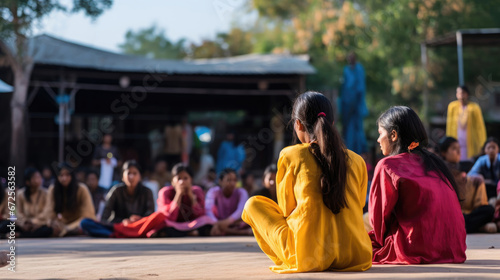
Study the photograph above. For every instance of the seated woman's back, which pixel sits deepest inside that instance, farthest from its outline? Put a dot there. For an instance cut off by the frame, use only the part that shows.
(418, 212)
(336, 241)
(321, 186)
(414, 207)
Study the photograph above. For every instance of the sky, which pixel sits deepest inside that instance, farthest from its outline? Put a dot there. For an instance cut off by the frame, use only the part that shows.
(190, 19)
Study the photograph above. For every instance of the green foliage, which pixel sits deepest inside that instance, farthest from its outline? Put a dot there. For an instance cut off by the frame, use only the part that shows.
(236, 42)
(207, 49)
(91, 8)
(153, 43)
(17, 17)
(386, 36)
(280, 8)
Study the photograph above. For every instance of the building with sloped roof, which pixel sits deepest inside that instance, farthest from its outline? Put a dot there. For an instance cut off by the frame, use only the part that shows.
(79, 87)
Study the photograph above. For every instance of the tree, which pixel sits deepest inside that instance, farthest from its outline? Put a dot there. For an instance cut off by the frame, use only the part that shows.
(386, 36)
(16, 22)
(235, 42)
(153, 43)
(207, 49)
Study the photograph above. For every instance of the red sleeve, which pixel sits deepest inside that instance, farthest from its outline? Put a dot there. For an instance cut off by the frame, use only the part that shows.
(199, 209)
(165, 204)
(383, 198)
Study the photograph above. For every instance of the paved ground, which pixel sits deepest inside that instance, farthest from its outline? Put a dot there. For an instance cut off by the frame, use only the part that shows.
(211, 258)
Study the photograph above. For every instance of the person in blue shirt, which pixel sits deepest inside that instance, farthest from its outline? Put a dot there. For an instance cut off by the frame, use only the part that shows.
(353, 107)
(230, 155)
(488, 166)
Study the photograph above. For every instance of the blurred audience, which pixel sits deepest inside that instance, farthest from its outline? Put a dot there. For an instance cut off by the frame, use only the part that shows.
(31, 202)
(477, 213)
(224, 205)
(106, 157)
(68, 203)
(269, 182)
(98, 193)
(127, 202)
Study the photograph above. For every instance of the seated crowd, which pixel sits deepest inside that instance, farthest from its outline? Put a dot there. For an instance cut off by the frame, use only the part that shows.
(129, 209)
(309, 214)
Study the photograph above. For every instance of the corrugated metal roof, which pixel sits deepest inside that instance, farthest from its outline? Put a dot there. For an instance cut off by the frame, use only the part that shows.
(52, 51)
(484, 37)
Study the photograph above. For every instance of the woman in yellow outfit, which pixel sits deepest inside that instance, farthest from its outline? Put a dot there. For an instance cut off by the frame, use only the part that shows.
(317, 224)
(465, 123)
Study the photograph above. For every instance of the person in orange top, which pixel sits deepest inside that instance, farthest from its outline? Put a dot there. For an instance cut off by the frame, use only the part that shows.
(317, 224)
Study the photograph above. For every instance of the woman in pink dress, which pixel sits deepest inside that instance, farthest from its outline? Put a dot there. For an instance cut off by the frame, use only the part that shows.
(414, 205)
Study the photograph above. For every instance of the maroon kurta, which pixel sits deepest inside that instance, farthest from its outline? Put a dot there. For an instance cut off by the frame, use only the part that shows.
(416, 218)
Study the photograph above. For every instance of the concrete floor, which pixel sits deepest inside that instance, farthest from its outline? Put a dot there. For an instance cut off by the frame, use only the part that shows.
(211, 258)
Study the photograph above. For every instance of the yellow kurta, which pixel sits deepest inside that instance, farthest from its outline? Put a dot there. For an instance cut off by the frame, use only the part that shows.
(476, 131)
(300, 233)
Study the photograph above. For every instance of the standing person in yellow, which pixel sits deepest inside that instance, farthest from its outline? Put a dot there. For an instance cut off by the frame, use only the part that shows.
(317, 224)
(465, 123)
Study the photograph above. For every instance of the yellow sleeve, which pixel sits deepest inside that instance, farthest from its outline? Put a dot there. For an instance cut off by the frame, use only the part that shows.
(480, 127)
(451, 125)
(86, 208)
(363, 173)
(285, 181)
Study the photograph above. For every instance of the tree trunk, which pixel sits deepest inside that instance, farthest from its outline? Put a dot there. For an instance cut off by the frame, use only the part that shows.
(19, 121)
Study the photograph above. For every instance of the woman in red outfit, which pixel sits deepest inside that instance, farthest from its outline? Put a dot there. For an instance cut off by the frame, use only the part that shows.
(414, 205)
(181, 211)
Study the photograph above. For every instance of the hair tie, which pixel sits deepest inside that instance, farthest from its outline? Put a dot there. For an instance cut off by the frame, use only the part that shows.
(321, 114)
(413, 145)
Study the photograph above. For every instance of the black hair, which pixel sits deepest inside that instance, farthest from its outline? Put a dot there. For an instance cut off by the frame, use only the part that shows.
(245, 175)
(3, 186)
(47, 167)
(315, 112)
(409, 128)
(92, 171)
(271, 168)
(225, 172)
(465, 89)
(181, 167)
(81, 169)
(490, 139)
(445, 144)
(28, 174)
(65, 198)
(160, 159)
(131, 163)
